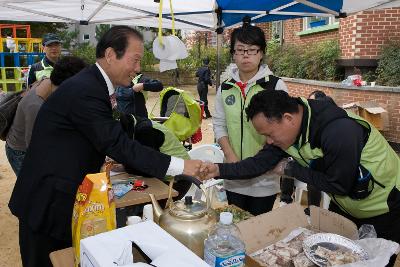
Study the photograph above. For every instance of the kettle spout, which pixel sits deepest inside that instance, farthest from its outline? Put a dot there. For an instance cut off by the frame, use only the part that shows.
(157, 210)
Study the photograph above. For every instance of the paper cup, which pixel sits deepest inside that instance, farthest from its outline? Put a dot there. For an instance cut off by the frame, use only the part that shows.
(133, 220)
(372, 84)
(148, 212)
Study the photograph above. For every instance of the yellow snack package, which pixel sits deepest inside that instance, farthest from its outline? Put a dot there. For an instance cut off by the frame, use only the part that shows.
(94, 210)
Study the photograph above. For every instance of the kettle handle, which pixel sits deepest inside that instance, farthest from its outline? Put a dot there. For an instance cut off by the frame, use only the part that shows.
(188, 178)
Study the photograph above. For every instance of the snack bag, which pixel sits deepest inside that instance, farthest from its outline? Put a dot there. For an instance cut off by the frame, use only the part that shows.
(94, 209)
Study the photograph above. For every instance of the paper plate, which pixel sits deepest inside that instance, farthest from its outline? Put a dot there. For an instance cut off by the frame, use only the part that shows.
(332, 242)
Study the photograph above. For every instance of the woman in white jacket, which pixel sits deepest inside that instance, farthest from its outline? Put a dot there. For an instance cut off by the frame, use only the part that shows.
(235, 134)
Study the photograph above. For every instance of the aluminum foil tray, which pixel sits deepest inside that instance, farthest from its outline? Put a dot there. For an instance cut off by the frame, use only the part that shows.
(331, 242)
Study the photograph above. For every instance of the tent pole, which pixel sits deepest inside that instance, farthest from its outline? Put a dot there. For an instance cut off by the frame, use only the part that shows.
(219, 32)
(219, 46)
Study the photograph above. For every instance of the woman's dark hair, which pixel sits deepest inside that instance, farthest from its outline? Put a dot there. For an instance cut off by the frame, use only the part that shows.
(273, 104)
(317, 94)
(248, 34)
(321, 96)
(116, 38)
(65, 68)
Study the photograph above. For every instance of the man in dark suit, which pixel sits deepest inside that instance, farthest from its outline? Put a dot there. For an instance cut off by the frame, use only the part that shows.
(73, 133)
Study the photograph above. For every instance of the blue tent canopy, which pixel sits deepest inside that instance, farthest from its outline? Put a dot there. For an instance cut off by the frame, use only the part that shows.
(188, 14)
(233, 11)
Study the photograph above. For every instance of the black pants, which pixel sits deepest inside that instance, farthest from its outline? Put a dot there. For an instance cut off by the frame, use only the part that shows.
(36, 247)
(202, 89)
(254, 205)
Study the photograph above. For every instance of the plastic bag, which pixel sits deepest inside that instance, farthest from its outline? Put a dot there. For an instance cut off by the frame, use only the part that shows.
(94, 210)
(367, 231)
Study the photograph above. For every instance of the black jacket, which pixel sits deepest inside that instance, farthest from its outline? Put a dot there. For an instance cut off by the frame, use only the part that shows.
(150, 85)
(73, 133)
(340, 138)
(204, 75)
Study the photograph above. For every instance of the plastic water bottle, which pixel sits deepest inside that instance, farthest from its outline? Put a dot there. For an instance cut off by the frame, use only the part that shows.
(224, 247)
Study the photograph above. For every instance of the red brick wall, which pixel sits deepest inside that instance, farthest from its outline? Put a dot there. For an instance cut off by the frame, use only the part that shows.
(389, 100)
(362, 35)
(293, 26)
(267, 28)
(290, 28)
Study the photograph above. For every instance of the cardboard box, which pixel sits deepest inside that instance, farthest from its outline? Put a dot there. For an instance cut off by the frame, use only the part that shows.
(268, 228)
(372, 112)
(106, 249)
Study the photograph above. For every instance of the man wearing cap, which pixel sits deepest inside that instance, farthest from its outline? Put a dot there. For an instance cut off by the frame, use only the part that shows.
(52, 47)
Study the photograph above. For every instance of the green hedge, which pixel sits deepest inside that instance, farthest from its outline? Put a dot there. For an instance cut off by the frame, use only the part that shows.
(86, 52)
(388, 71)
(316, 61)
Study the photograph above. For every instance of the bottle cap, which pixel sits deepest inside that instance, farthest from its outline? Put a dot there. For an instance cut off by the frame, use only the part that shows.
(225, 217)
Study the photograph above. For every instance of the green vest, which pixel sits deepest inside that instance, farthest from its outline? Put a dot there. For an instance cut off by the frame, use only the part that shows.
(377, 157)
(244, 139)
(171, 145)
(45, 72)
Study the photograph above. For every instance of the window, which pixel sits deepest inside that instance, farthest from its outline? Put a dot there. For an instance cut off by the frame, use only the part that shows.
(86, 37)
(276, 29)
(312, 22)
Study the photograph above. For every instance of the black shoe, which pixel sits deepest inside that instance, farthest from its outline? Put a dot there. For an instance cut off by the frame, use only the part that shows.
(208, 116)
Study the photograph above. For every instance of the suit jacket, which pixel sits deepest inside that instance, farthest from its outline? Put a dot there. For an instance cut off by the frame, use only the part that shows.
(73, 132)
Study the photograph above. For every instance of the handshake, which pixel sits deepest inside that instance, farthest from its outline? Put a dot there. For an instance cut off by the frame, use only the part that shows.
(200, 169)
(207, 170)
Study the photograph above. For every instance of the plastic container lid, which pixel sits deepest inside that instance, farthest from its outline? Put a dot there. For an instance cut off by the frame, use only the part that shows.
(225, 217)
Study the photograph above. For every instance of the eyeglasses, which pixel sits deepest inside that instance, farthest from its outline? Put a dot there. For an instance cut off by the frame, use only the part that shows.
(250, 52)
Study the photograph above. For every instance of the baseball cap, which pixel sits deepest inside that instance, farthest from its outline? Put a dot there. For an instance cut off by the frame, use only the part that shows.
(50, 38)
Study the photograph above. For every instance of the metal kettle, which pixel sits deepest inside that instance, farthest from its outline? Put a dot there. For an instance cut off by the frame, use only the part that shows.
(188, 220)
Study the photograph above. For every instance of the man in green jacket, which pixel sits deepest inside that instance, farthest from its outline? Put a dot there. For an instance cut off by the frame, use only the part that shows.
(335, 151)
(52, 47)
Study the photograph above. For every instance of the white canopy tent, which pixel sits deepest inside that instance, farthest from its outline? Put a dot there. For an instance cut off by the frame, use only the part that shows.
(189, 14)
(211, 15)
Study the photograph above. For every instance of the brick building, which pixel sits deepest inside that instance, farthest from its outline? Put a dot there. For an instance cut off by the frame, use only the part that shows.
(360, 36)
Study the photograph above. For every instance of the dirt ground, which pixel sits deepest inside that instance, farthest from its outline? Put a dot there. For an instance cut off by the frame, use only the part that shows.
(9, 249)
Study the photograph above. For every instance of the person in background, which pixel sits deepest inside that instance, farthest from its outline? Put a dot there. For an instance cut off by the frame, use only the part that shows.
(235, 134)
(19, 135)
(132, 99)
(336, 151)
(10, 44)
(73, 133)
(319, 95)
(52, 47)
(204, 75)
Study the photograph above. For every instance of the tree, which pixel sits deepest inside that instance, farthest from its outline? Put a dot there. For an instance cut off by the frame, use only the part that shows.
(101, 30)
(69, 39)
(38, 28)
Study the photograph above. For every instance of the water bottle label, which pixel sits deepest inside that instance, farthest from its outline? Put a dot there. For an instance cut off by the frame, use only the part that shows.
(230, 261)
(236, 260)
